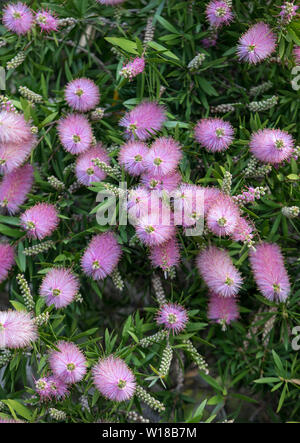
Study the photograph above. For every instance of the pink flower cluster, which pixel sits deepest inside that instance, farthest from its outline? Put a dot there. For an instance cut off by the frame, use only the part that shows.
(18, 18)
(134, 68)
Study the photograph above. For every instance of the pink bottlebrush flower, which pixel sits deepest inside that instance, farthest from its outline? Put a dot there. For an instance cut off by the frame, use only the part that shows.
(134, 68)
(143, 121)
(138, 202)
(165, 255)
(157, 227)
(267, 264)
(46, 20)
(13, 128)
(101, 256)
(163, 156)
(272, 145)
(222, 310)
(17, 18)
(58, 388)
(113, 378)
(243, 230)
(211, 195)
(14, 188)
(218, 13)
(218, 272)
(257, 43)
(40, 220)
(188, 204)
(132, 157)
(82, 94)
(59, 287)
(13, 155)
(214, 134)
(17, 329)
(173, 316)
(166, 183)
(222, 216)
(68, 363)
(86, 171)
(75, 133)
(297, 55)
(42, 388)
(7, 260)
(110, 2)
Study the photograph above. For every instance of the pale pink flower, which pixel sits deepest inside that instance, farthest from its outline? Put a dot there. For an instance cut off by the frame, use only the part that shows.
(18, 18)
(68, 363)
(173, 316)
(166, 183)
(7, 260)
(214, 134)
(13, 128)
(138, 202)
(218, 272)
(13, 155)
(222, 216)
(272, 145)
(188, 204)
(14, 188)
(17, 329)
(46, 20)
(156, 228)
(113, 379)
(133, 68)
(271, 277)
(297, 55)
(75, 133)
(166, 255)
(101, 256)
(223, 310)
(59, 287)
(86, 171)
(40, 220)
(82, 94)
(143, 121)
(132, 156)
(243, 230)
(257, 43)
(218, 13)
(163, 156)
(211, 195)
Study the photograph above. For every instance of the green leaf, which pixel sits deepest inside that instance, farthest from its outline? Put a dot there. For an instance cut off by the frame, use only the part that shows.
(123, 43)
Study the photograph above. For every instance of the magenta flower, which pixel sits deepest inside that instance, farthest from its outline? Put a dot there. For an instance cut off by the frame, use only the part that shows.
(101, 256)
(256, 44)
(46, 20)
(132, 156)
(297, 55)
(17, 18)
(173, 316)
(218, 13)
(13, 155)
(163, 156)
(58, 388)
(271, 145)
(113, 378)
(68, 363)
(17, 329)
(222, 216)
(143, 121)
(86, 171)
(134, 68)
(214, 134)
(156, 228)
(267, 264)
(243, 230)
(40, 220)
(42, 388)
(223, 310)
(165, 255)
(218, 272)
(59, 287)
(166, 183)
(110, 2)
(13, 128)
(82, 94)
(75, 133)
(7, 260)
(14, 188)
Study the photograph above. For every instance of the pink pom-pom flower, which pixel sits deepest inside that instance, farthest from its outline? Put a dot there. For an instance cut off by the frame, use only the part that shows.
(101, 256)
(214, 134)
(218, 13)
(143, 121)
(46, 20)
(14, 188)
(86, 171)
(132, 156)
(75, 133)
(157, 227)
(222, 217)
(51, 387)
(166, 255)
(13, 128)
(223, 310)
(82, 94)
(13, 155)
(256, 44)
(113, 379)
(188, 204)
(243, 230)
(166, 183)
(17, 329)
(271, 277)
(218, 272)
(134, 68)
(163, 156)
(7, 260)
(18, 18)
(271, 145)
(68, 363)
(40, 220)
(297, 55)
(138, 203)
(59, 287)
(173, 317)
